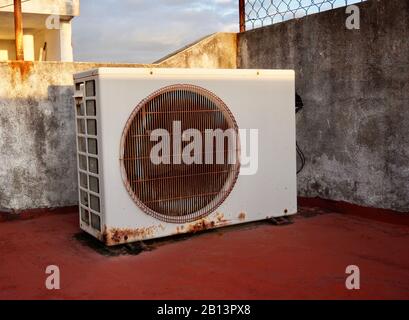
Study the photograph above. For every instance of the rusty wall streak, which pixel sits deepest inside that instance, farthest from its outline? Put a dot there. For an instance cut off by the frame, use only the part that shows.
(23, 68)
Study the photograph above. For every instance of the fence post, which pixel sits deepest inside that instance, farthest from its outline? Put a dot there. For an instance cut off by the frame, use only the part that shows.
(18, 30)
(242, 14)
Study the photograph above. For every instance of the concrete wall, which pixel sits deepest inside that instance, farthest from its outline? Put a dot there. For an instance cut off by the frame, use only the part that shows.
(37, 129)
(354, 129)
(7, 50)
(59, 43)
(218, 50)
(355, 85)
(48, 21)
(37, 134)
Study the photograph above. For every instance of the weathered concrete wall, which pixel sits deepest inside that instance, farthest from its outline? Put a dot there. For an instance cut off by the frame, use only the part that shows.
(37, 129)
(355, 85)
(218, 51)
(37, 134)
(354, 129)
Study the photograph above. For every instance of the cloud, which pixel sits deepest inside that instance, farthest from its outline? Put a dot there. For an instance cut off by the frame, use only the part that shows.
(143, 31)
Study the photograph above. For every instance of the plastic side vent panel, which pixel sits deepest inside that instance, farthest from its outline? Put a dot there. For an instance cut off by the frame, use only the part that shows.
(88, 156)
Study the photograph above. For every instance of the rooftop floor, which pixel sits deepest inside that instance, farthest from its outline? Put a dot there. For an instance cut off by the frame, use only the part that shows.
(304, 260)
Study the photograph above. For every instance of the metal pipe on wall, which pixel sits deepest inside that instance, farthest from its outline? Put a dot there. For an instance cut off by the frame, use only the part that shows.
(242, 15)
(18, 29)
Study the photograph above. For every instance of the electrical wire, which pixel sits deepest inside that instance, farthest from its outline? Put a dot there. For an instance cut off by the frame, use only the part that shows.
(299, 105)
(302, 157)
(12, 4)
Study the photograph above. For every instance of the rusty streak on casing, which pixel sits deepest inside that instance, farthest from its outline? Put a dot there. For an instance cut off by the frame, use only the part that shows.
(115, 236)
(204, 224)
(242, 216)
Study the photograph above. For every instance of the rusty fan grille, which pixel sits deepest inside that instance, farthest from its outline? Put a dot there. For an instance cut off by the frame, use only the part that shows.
(178, 192)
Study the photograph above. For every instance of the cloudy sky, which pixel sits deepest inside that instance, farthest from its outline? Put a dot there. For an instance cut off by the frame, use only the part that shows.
(145, 30)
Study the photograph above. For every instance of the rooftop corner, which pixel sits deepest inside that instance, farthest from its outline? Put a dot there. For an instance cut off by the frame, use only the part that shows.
(64, 8)
(45, 27)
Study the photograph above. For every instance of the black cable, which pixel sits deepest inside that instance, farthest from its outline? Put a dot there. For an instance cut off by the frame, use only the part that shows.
(12, 4)
(299, 105)
(302, 157)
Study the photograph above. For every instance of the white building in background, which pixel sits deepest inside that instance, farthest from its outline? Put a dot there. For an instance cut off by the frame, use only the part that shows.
(47, 29)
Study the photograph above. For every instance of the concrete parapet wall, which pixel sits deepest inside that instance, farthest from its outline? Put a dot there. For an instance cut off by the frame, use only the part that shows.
(354, 129)
(37, 134)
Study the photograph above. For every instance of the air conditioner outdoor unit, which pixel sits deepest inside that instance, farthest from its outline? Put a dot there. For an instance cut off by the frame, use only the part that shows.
(171, 151)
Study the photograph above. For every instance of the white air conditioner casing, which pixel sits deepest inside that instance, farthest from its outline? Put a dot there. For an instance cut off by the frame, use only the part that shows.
(105, 99)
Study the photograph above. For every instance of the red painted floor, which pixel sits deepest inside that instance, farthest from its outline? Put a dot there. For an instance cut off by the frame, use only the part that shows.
(305, 260)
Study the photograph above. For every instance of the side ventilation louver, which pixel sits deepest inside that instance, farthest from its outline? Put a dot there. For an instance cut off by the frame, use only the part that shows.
(88, 155)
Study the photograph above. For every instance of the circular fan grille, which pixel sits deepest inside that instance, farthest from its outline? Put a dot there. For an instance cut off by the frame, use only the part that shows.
(173, 190)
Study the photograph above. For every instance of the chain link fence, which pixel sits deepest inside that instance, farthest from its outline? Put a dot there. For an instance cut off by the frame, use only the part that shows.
(259, 13)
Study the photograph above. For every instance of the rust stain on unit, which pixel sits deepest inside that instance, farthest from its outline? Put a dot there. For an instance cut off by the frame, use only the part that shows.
(204, 224)
(117, 236)
(242, 216)
(22, 67)
(201, 225)
(220, 218)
